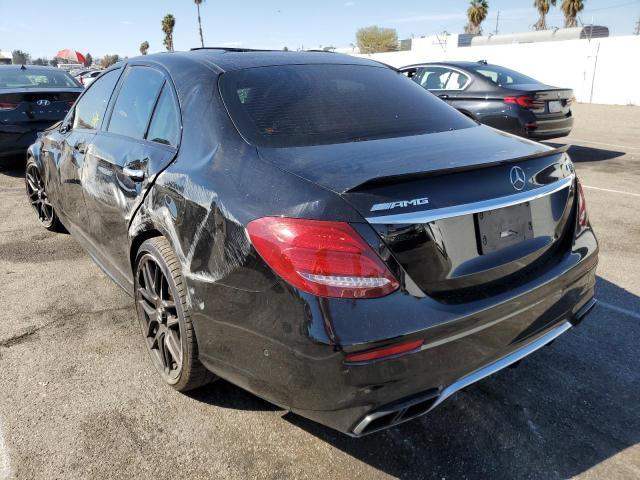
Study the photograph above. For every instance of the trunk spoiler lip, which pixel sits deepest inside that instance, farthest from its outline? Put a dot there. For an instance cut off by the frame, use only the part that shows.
(380, 181)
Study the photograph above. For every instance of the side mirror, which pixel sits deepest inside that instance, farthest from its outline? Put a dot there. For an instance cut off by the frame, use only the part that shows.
(64, 127)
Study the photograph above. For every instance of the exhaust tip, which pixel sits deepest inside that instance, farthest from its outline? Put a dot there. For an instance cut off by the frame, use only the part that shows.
(396, 413)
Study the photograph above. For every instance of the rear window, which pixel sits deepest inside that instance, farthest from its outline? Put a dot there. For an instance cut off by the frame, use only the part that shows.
(301, 105)
(503, 76)
(17, 78)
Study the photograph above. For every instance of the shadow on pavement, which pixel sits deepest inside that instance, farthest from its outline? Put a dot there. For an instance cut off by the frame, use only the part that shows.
(567, 408)
(12, 166)
(579, 153)
(226, 395)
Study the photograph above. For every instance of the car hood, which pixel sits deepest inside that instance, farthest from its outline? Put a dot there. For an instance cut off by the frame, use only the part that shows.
(343, 167)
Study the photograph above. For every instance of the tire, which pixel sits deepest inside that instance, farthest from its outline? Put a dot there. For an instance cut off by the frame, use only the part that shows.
(38, 198)
(165, 319)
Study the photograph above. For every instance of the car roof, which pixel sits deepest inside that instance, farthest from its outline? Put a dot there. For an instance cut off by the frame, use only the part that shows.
(225, 60)
(30, 67)
(454, 63)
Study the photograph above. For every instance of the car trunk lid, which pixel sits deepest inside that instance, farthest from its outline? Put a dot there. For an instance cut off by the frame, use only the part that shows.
(27, 106)
(459, 211)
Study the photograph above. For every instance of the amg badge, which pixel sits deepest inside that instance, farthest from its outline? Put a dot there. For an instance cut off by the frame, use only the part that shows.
(401, 204)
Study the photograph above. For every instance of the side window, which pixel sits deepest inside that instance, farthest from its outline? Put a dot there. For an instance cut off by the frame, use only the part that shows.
(165, 124)
(90, 109)
(434, 78)
(456, 81)
(137, 97)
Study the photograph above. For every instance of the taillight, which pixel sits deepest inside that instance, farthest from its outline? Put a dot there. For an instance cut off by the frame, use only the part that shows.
(7, 106)
(583, 216)
(328, 259)
(525, 102)
(385, 352)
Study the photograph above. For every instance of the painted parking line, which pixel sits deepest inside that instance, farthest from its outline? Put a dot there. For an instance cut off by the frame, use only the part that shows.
(5, 465)
(611, 191)
(625, 147)
(615, 308)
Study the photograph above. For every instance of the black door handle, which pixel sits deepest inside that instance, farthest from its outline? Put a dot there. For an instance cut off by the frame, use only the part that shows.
(444, 96)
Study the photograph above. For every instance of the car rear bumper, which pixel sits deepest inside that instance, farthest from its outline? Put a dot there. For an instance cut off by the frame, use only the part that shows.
(551, 128)
(290, 348)
(15, 139)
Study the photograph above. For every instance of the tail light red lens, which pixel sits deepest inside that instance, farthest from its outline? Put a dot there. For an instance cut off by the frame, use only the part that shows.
(380, 353)
(583, 216)
(328, 259)
(525, 102)
(7, 106)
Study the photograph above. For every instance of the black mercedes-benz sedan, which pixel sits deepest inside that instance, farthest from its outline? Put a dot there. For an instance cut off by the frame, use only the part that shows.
(317, 229)
(499, 97)
(32, 98)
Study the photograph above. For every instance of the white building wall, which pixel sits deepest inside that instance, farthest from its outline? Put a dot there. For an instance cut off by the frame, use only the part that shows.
(603, 70)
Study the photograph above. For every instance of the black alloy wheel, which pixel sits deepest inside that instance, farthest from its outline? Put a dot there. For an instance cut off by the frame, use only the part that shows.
(39, 198)
(165, 317)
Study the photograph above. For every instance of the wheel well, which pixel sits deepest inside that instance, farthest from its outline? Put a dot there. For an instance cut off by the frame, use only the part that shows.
(139, 240)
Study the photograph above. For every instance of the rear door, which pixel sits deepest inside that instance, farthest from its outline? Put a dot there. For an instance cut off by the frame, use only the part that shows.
(139, 140)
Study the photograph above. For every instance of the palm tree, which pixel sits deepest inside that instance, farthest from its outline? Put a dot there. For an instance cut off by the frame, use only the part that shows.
(476, 13)
(543, 7)
(144, 47)
(198, 2)
(168, 23)
(571, 9)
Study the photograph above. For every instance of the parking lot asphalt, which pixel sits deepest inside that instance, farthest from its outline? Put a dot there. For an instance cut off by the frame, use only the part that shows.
(80, 399)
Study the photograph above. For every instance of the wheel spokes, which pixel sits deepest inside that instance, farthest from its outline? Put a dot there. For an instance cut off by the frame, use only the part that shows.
(159, 317)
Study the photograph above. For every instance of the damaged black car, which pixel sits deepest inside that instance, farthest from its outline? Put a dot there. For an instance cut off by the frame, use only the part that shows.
(317, 229)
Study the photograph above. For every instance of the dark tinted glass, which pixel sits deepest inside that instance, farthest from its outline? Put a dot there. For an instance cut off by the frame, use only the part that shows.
(135, 102)
(89, 110)
(36, 78)
(165, 125)
(503, 76)
(298, 105)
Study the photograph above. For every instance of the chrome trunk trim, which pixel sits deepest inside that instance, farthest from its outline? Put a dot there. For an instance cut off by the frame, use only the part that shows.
(471, 208)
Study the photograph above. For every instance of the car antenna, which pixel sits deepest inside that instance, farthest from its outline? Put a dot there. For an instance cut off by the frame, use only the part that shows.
(23, 67)
(483, 62)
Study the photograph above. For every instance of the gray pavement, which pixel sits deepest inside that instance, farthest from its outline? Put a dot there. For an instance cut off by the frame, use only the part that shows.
(79, 397)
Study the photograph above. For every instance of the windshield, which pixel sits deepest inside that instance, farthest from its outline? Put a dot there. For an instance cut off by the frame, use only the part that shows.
(301, 105)
(17, 78)
(503, 76)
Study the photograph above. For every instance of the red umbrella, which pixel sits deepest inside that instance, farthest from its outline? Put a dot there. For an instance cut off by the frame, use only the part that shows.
(71, 55)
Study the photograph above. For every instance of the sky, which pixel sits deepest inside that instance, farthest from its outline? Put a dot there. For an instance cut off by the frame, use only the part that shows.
(42, 27)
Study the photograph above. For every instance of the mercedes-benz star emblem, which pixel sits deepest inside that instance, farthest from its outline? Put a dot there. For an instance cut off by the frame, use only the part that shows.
(43, 103)
(518, 178)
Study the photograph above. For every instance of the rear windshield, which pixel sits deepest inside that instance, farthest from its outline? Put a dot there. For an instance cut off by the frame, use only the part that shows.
(17, 78)
(503, 76)
(301, 105)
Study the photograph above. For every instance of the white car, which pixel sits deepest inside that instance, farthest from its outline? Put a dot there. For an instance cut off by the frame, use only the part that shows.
(88, 78)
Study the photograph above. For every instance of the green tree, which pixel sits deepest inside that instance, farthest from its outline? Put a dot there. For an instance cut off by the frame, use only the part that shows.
(109, 60)
(476, 13)
(41, 61)
(144, 47)
(285, 49)
(543, 7)
(88, 60)
(168, 24)
(20, 57)
(571, 9)
(198, 3)
(376, 39)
